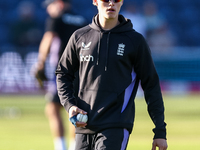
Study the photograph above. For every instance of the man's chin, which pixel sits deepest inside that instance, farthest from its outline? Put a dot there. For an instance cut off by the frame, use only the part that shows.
(110, 17)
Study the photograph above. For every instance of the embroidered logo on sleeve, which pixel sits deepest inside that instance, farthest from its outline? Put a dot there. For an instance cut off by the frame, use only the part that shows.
(85, 46)
(120, 50)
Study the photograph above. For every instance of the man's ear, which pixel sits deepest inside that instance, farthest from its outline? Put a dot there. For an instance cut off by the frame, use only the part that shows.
(95, 3)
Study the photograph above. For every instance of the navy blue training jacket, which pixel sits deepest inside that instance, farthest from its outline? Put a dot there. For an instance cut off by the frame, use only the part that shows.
(110, 64)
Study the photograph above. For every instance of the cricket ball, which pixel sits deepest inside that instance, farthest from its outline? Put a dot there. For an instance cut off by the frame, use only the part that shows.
(82, 118)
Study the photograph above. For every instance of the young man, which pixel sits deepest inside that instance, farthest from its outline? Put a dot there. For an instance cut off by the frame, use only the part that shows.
(111, 59)
(59, 27)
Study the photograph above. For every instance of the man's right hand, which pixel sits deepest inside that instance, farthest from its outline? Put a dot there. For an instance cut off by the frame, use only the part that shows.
(73, 111)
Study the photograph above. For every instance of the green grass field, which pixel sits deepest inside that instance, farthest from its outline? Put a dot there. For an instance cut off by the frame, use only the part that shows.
(23, 125)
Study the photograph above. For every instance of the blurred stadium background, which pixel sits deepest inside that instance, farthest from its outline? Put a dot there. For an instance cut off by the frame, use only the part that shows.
(176, 48)
(174, 38)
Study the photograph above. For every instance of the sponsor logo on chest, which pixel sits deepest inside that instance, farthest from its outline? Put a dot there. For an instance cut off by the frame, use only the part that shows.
(86, 58)
(85, 47)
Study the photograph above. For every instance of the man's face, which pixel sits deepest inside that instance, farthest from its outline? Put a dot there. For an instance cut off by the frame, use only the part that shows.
(108, 10)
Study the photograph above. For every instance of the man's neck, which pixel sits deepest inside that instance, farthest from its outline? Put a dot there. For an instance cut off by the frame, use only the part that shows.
(108, 24)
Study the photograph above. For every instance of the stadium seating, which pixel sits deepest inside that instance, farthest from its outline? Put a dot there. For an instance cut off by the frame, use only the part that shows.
(182, 16)
(181, 63)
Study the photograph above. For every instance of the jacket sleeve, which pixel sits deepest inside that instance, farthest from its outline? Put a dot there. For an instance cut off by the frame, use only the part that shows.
(145, 70)
(65, 74)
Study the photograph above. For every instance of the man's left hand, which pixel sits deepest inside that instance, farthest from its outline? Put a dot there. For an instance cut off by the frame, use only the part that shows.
(160, 143)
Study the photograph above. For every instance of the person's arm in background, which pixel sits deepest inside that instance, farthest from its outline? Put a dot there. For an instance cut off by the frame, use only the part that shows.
(44, 49)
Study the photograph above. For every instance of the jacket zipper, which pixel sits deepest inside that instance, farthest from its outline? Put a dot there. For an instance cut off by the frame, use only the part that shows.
(106, 64)
(98, 48)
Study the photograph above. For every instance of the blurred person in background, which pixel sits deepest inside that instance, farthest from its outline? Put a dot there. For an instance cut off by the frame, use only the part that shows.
(132, 12)
(153, 18)
(59, 27)
(162, 38)
(158, 32)
(25, 30)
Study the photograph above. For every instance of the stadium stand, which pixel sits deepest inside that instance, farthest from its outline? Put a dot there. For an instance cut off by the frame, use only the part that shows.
(181, 16)
(180, 63)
